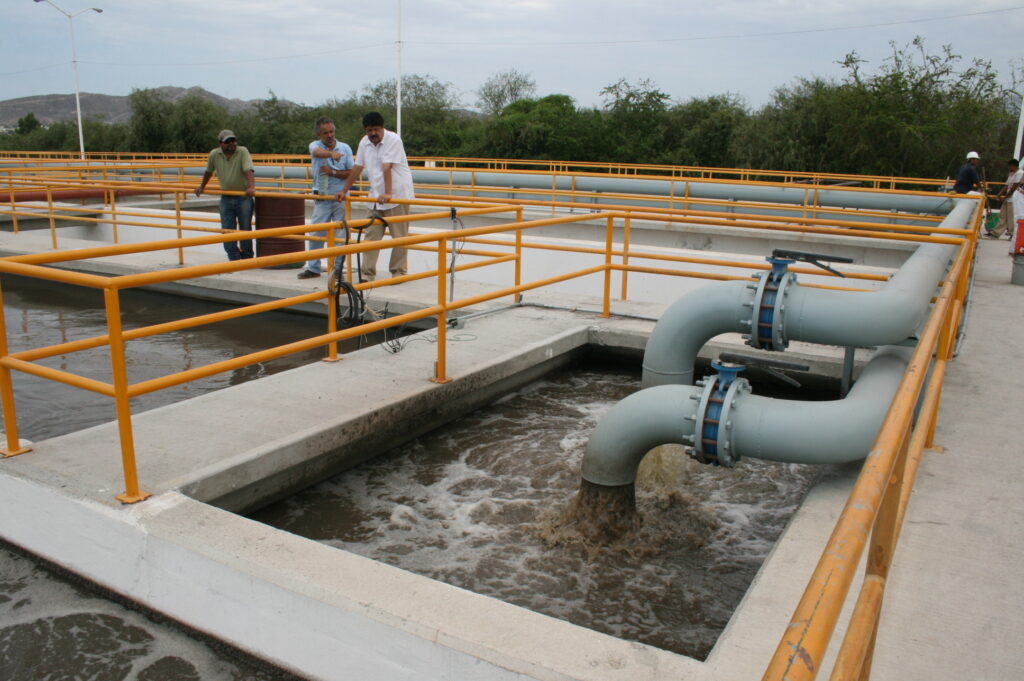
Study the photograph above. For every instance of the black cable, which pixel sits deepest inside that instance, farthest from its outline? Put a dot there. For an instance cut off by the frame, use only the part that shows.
(456, 250)
(336, 283)
(356, 308)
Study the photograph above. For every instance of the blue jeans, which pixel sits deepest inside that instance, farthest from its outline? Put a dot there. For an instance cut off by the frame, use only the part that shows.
(323, 211)
(236, 213)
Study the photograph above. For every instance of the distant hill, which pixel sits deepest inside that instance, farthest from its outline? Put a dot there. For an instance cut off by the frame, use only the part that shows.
(109, 108)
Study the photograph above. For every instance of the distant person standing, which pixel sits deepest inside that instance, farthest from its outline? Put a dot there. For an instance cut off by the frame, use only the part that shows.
(382, 154)
(1008, 213)
(235, 172)
(1016, 195)
(967, 179)
(332, 161)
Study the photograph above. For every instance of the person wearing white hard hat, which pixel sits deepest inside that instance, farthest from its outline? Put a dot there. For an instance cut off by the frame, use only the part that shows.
(967, 179)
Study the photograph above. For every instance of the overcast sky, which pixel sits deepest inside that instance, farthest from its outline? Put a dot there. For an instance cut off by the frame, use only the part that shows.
(309, 51)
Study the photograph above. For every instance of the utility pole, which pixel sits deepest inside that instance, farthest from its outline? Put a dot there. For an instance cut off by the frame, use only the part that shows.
(74, 67)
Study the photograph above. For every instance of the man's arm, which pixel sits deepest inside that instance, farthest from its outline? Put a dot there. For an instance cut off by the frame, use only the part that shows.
(321, 152)
(202, 185)
(386, 196)
(250, 183)
(351, 176)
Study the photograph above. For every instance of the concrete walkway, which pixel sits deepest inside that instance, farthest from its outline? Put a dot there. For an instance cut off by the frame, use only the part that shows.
(954, 605)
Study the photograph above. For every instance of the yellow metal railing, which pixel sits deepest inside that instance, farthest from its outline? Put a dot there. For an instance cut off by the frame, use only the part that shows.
(873, 514)
(874, 511)
(504, 165)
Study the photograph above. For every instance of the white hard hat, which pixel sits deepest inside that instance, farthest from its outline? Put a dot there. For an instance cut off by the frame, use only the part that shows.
(972, 154)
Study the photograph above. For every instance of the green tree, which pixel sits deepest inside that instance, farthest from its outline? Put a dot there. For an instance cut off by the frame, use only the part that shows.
(151, 115)
(916, 116)
(636, 121)
(432, 124)
(193, 124)
(503, 88)
(418, 92)
(702, 131)
(792, 131)
(275, 126)
(547, 128)
(28, 123)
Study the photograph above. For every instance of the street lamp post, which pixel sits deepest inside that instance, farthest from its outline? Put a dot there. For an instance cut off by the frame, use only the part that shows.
(74, 67)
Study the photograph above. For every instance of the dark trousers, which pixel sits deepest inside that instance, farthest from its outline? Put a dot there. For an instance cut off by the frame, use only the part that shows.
(236, 213)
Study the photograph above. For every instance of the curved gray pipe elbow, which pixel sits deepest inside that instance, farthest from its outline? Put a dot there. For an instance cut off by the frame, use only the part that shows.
(790, 431)
(847, 318)
(687, 325)
(647, 418)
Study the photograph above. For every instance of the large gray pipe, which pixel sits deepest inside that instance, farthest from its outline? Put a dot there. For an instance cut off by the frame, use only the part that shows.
(677, 189)
(761, 427)
(847, 318)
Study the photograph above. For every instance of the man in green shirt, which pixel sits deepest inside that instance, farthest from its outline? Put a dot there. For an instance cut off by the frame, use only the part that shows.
(235, 172)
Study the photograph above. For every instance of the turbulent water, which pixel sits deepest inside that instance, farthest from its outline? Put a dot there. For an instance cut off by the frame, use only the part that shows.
(482, 505)
(50, 628)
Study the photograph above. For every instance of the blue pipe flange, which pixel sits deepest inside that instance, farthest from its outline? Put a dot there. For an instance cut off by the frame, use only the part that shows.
(766, 317)
(712, 442)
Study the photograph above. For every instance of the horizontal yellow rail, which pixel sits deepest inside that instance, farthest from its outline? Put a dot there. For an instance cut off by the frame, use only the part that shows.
(874, 512)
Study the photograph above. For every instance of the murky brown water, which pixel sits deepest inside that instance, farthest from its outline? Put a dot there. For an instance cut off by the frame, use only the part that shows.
(482, 505)
(52, 628)
(39, 313)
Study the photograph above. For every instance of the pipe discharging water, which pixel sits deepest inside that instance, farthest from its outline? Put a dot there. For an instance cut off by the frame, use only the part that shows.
(492, 503)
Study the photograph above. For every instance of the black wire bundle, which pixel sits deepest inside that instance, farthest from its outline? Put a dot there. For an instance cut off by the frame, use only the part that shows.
(336, 283)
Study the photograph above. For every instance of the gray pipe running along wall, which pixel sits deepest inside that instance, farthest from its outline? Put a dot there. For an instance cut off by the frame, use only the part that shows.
(789, 431)
(676, 188)
(846, 318)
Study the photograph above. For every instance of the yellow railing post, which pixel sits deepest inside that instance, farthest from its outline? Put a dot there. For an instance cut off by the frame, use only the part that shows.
(177, 221)
(440, 368)
(518, 268)
(113, 214)
(625, 257)
(606, 310)
(53, 224)
(332, 308)
(13, 445)
(132, 493)
(14, 208)
(348, 257)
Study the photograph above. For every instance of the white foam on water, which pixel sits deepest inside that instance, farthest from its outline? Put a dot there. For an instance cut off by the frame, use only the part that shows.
(464, 505)
(53, 629)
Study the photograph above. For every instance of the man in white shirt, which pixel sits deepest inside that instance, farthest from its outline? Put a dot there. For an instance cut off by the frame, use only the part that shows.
(382, 154)
(1011, 197)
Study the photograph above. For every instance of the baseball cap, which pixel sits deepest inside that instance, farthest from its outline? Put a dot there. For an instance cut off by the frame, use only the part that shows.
(225, 135)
